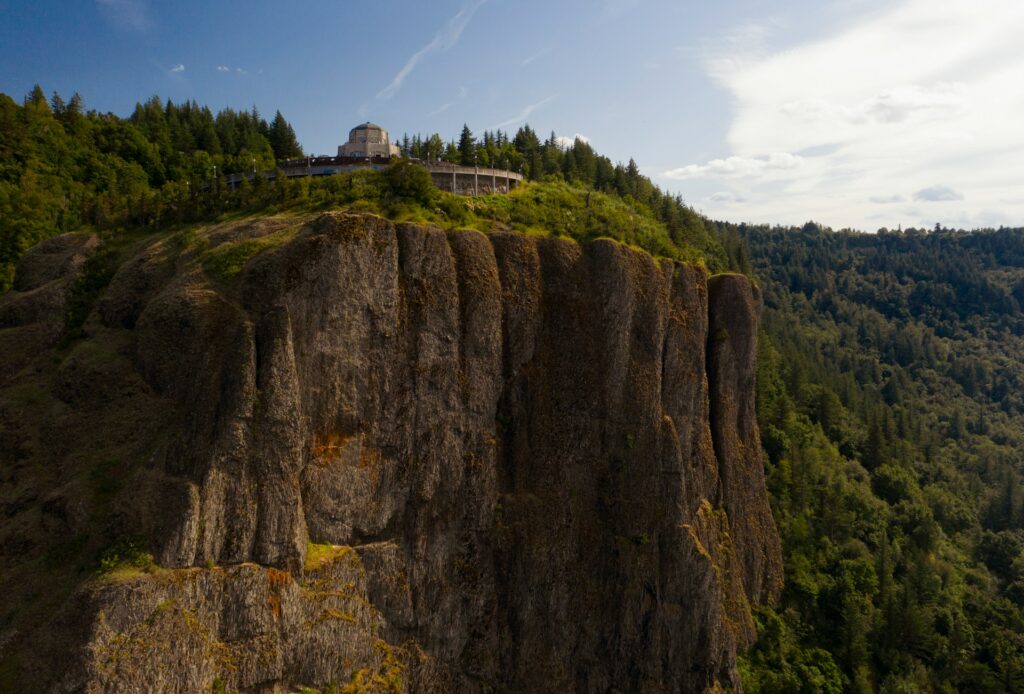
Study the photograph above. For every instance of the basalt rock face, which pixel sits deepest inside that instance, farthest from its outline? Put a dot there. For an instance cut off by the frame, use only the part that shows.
(536, 465)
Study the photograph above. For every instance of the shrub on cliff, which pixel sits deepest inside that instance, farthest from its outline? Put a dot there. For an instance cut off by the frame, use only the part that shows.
(409, 182)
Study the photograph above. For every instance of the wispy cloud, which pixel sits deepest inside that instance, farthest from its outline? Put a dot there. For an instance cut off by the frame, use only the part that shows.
(237, 70)
(525, 113)
(446, 38)
(462, 94)
(743, 45)
(128, 14)
(178, 68)
(536, 56)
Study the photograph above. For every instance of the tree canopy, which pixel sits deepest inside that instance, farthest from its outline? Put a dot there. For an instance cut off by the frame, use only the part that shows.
(892, 414)
(62, 167)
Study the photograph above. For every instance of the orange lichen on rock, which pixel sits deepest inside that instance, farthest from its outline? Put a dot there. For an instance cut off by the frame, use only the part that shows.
(276, 582)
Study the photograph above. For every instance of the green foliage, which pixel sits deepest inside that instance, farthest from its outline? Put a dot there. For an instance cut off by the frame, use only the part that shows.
(320, 555)
(282, 139)
(893, 425)
(778, 663)
(96, 274)
(467, 147)
(560, 209)
(125, 557)
(582, 168)
(62, 168)
(408, 182)
(388, 677)
(227, 260)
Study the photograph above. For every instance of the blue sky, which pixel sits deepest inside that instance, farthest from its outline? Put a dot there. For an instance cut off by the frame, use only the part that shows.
(856, 113)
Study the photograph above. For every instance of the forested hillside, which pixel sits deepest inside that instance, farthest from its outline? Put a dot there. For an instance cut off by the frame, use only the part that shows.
(892, 414)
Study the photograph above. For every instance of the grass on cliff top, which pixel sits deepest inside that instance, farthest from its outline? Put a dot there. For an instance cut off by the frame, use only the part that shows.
(402, 193)
(549, 209)
(560, 209)
(126, 558)
(405, 193)
(227, 260)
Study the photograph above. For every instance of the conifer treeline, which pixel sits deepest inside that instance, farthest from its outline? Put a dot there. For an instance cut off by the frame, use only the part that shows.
(63, 167)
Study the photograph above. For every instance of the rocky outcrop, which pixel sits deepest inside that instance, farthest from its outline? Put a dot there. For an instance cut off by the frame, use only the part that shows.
(533, 465)
(32, 313)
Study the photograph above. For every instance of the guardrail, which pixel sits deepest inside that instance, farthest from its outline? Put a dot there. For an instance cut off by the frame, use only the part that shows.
(454, 178)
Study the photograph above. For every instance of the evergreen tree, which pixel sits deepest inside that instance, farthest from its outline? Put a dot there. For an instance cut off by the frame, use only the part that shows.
(452, 154)
(57, 105)
(467, 147)
(37, 98)
(282, 139)
(433, 148)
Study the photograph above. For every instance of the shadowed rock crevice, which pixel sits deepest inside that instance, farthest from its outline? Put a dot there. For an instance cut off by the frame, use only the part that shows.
(543, 456)
(734, 310)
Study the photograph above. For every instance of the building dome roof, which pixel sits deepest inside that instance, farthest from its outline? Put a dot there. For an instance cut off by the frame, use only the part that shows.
(368, 140)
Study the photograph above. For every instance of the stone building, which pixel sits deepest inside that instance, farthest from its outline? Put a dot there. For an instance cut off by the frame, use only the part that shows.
(368, 140)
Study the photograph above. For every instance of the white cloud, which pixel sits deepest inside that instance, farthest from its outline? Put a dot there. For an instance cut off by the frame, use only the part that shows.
(524, 114)
(566, 142)
(937, 194)
(129, 14)
(178, 68)
(912, 93)
(443, 40)
(223, 68)
(736, 166)
(241, 71)
(440, 109)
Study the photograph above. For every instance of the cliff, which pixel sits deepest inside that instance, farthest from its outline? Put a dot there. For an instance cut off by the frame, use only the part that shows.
(382, 456)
